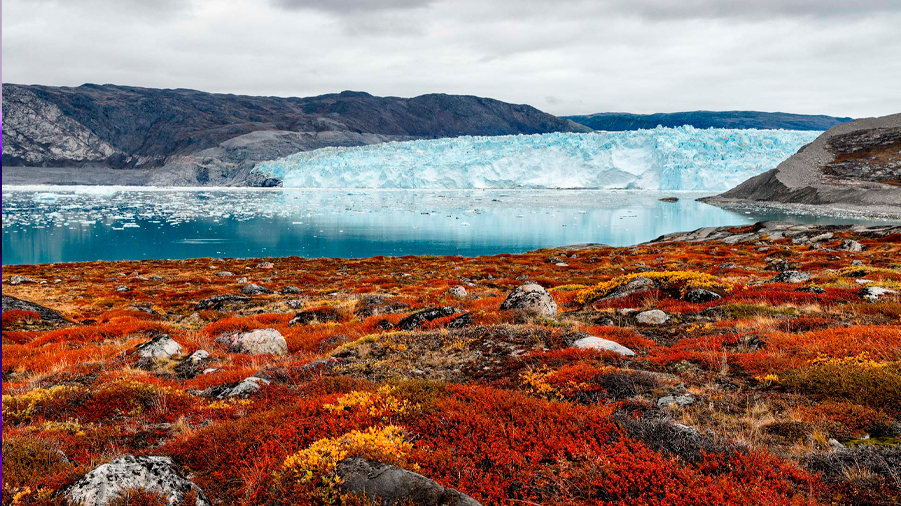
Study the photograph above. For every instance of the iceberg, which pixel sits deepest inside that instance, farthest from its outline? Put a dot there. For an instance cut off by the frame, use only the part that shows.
(683, 158)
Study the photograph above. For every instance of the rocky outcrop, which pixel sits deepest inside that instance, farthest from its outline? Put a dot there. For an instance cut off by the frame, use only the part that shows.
(390, 485)
(48, 315)
(105, 483)
(799, 233)
(618, 121)
(853, 166)
(187, 137)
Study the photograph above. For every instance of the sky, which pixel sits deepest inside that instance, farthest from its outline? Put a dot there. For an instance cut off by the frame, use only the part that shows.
(835, 57)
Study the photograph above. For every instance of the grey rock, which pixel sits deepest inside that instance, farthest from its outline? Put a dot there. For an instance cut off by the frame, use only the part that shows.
(290, 290)
(245, 388)
(678, 400)
(265, 265)
(225, 274)
(155, 474)
(874, 293)
(253, 289)
(457, 291)
(259, 342)
(316, 316)
(199, 356)
(18, 280)
(597, 343)
(218, 301)
(700, 296)
(48, 315)
(790, 277)
(850, 245)
(419, 318)
(390, 485)
(531, 298)
(161, 347)
(652, 317)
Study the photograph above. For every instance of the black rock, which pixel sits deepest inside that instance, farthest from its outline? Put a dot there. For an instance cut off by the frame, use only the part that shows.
(700, 296)
(48, 315)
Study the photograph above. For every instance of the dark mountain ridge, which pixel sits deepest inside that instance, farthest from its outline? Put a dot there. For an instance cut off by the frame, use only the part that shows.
(196, 137)
(618, 121)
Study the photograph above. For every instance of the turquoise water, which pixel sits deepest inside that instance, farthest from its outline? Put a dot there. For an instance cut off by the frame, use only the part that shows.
(70, 224)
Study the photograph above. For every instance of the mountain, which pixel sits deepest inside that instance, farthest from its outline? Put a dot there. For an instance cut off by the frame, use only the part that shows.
(853, 167)
(188, 137)
(616, 121)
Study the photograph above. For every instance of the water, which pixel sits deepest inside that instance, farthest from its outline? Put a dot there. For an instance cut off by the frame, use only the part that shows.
(67, 224)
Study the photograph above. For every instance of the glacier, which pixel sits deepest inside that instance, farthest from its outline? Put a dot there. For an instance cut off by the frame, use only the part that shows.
(683, 158)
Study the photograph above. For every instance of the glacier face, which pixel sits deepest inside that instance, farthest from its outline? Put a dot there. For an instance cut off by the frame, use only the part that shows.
(683, 158)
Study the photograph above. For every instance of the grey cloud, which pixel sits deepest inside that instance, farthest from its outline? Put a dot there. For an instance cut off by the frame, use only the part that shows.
(352, 6)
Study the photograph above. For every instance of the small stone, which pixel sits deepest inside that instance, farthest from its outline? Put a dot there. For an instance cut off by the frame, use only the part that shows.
(209, 370)
(199, 355)
(791, 277)
(457, 291)
(850, 245)
(122, 288)
(652, 317)
(253, 289)
(225, 274)
(160, 347)
(856, 262)
(265, 265)
(290, 290)
(700, 295)
(874, 293)
(18, 280)
(597, 343)
(678, 400)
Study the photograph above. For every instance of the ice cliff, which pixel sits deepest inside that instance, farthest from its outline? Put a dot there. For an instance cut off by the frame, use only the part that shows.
(683, 158)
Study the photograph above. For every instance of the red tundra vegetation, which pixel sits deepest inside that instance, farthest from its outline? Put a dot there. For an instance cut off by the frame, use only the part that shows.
(741, 390)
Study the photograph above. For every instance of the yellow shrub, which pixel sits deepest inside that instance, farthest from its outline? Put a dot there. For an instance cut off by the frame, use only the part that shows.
(381, 403)
(857, 379)
(681, 281)
(22, 407)
(383, 444)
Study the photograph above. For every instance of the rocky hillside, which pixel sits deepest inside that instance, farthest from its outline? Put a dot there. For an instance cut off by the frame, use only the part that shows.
(853, 166)
(191, 137)
(616, 121)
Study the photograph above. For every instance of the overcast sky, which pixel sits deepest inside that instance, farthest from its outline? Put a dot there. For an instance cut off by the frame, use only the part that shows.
(837, 57)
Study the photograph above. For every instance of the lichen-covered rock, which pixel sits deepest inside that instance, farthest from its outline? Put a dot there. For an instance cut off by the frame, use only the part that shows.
(457, 291)
(700, 296)
(531, 298)
(154, 474)
(243, 388)
(259, 342)
(791, 277)
(290, 290)
(652, 317)
(218, 301)
(850, 245)
(391, 485)
(161, 347)
(252, 289)
(19, 280)
(597, 343)
(874, 293)
(418, 319)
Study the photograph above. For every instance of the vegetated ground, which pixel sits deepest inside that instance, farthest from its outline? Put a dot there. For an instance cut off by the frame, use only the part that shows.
(792, 391)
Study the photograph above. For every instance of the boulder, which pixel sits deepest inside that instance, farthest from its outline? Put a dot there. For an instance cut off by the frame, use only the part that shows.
(48, 315)
(217, 301)
(418, 319)
(850, 245)
(457, 291)
(531, 298)
(252, 289)
(635, 285)
(243, 388)
(391, 485)
(290, 290)
(700, 295)
(790, 277)
(154, 474)
(199, 356)
(652, 317)
(259, 342)
(316, 316)
(678, 400)
(18, 280)
(597, 343)
(874, 293)
(161, 347)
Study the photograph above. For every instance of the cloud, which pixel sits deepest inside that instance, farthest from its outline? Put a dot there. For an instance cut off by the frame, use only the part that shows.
(566, 57)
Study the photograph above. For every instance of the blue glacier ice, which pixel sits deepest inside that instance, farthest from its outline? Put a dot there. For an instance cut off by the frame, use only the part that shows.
(683, 158)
